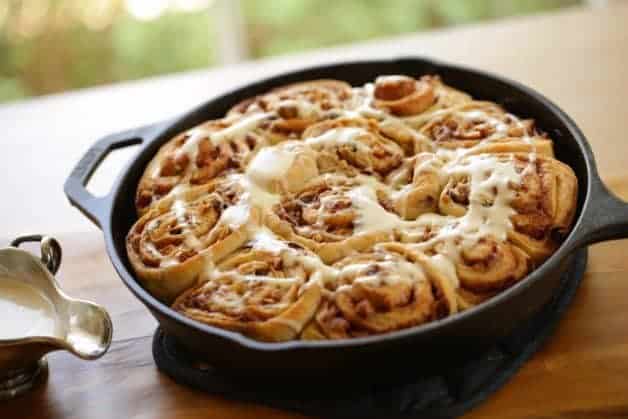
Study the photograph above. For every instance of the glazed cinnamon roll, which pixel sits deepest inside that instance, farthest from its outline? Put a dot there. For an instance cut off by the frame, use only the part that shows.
(198, 155)
(172, 243)
(485, 126)
(405, 96)
(416, 186)
(541, 197)
(490, 265)
(333, 216)
(295, 107)
(388, 288)
(284, 168)
(264, 290)
(353, 146)
(478, 267)
(402, 95)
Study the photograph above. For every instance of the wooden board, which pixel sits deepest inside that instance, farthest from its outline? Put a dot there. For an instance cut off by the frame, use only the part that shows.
(581, 373)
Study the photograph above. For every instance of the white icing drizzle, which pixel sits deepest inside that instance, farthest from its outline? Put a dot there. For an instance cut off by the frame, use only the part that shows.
(364, 99)
(338, 136)
(488, 213)
(446, 267)
(305, 109)
(255, 195)
(236, 131)
(372, 216)
(180, 211)
(490, 180)
(271, 164)
(236, 215)
(264, 239)
(389, 272)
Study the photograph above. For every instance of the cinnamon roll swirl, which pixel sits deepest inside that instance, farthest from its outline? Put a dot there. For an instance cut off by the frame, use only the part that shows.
(263, 290)
(416, 186)
(333, 216)
(198, 155)
(405, 96)
(172, 243)
(485, 126)
(386, 289)
(474, 263)
(542, 199)
(353, 146)
(295, 107)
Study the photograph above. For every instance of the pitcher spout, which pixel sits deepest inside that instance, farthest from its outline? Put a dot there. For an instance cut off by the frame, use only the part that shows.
(89, 330)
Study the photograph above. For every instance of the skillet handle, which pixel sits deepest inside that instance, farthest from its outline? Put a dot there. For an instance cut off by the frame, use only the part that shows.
(605, 217)
(93, 207)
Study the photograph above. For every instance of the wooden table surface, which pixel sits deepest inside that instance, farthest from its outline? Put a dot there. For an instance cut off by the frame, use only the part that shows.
(578, 58)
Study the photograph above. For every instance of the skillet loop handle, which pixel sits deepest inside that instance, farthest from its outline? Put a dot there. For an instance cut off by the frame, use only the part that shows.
(605, 217)
(95, 208)
(50, 250)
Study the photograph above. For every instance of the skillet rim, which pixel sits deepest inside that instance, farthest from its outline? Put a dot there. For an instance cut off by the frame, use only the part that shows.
(566, 248)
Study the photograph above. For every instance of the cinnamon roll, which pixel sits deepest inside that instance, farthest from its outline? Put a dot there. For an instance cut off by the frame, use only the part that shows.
(541, 197)
(477, 267)
(172, 243)
(263, 290)
(353, 146)
(333, 216)
(295, 107)
(416, 186)
(405, 96)
(485, 126)
(388, 288)
(198, 155)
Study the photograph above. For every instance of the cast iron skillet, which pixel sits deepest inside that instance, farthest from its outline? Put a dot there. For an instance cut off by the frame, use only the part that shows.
(600, 216)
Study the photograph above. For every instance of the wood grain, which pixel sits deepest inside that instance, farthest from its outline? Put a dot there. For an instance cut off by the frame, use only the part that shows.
(578, 58)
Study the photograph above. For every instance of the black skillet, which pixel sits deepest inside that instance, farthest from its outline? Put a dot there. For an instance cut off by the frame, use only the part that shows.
(600, 216)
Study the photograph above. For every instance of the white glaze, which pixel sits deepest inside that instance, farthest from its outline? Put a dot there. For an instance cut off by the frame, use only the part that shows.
(270, 165)
(264, 239)
(372, 216)
(305, 109)
(337, 137)
(490, 180)
(236, 131)
(25, 311)
(236, 215)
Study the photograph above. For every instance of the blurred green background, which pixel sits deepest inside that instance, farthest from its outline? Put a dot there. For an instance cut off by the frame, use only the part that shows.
(49, 46)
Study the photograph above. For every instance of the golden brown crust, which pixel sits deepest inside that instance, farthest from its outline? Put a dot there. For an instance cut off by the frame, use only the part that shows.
(169, 248)
(387, 288)
(260, 293)
(403, 96)
(173, 165)
(483, 124)
(544, 202)
(352, 146)
(322, 217)
(417, 186)
(296, 107)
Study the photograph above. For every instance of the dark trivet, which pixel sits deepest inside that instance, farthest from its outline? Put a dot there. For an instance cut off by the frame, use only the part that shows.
(447, 395)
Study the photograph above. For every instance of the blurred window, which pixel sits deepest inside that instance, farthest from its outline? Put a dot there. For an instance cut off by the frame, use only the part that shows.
(49, 46)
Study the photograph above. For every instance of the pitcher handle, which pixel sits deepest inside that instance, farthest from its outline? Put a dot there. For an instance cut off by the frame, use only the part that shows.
(50, 250)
